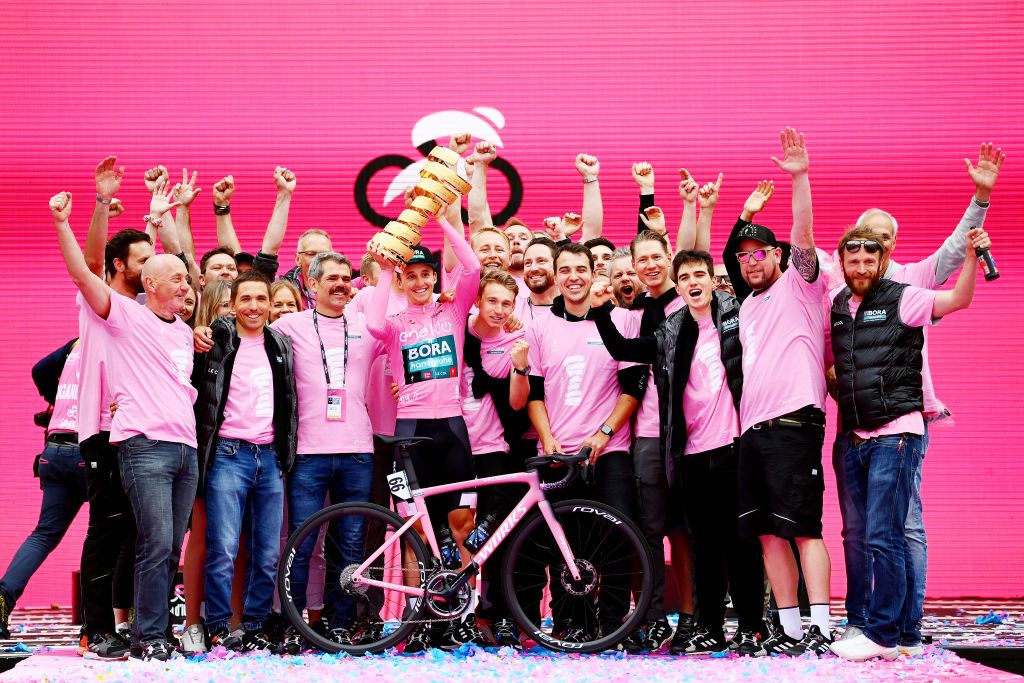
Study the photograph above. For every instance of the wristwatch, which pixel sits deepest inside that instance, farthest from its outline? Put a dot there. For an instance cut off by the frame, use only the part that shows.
(607, 430)
(524, 372)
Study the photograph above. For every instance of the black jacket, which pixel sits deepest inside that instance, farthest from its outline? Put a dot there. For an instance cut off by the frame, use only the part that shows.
(211, 376)
(878, 359)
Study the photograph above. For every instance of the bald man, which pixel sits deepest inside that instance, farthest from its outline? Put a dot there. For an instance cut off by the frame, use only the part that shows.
(154, 425)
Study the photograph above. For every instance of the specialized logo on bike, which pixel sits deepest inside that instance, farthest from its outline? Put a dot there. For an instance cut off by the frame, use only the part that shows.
(430, 359)
(482, 123)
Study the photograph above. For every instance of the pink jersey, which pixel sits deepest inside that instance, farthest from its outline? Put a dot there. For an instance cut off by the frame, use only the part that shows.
(318, 434)
(648, 417)
(249, 409)
(581, 386)
(65, 409)
(915, 311)
(526, 311)
(711, 417)
(486, 434)
(93, 386)
(380, 403)
(782, 330)
(922, 274)
(150, 378)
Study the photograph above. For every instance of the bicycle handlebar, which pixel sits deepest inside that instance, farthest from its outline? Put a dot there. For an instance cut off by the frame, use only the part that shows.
(569, 461)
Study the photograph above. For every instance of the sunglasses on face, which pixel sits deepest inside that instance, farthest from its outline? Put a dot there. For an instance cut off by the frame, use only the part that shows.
(756, 255)
(870, 246)
(721, 280)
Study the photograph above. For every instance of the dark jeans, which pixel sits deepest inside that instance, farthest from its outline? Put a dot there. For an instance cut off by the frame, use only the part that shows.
(62, 478)
(244, 481)
(348, 478)
(711, 488)
(108, 552)
(652, 505)
(858, 560)
(160, 479)
(880, 476)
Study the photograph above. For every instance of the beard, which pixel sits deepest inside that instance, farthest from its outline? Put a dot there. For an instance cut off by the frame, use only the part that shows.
(515, 261)
(862, 288)
(543, 286)
(134, 280)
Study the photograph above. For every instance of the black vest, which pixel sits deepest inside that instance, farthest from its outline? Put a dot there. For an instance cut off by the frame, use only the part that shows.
(877, 358)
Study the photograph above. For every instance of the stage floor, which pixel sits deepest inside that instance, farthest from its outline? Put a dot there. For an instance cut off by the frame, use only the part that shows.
(997, 625)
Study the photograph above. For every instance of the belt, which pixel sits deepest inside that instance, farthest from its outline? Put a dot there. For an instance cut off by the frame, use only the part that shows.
(797, 421)
(62, 438)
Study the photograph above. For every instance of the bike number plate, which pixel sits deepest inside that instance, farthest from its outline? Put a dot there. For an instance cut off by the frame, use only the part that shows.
(399, 485)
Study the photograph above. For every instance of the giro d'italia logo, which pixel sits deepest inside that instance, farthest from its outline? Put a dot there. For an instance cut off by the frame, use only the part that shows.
(482, 123)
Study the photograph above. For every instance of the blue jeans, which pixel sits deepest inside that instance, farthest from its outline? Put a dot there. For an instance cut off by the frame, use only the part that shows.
(243, 482)
(347, 478)
(879, 476)
(160, 479)
(62, 478)
(858, 562)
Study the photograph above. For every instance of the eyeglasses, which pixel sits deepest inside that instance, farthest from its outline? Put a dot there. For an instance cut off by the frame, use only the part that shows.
(310, 254)
(757, 255)
(721, 280)
(870, 246)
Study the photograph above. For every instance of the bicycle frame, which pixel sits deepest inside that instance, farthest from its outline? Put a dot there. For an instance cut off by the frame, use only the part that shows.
(533, 497)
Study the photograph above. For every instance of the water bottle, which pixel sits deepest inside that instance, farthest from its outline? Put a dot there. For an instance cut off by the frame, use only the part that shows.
(481, 533)
(449, 549)
(988, 264)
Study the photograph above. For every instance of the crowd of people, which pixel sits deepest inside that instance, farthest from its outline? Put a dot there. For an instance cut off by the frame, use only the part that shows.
(218, 395)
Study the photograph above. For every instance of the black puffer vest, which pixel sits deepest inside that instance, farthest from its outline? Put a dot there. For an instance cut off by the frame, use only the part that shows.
(878, 358)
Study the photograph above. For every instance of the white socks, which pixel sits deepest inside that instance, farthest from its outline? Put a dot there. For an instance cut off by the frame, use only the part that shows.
(819, 618)
(789, 617)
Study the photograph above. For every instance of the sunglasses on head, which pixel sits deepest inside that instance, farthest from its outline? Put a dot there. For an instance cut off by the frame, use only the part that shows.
(870, 246)
(756, 254)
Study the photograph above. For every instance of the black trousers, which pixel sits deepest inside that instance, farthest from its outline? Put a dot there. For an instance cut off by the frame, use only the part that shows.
(711, 486)
(108, 553)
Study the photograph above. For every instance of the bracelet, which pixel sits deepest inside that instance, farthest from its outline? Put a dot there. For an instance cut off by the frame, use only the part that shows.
(155, 221)
(104, 200)
(222, 210)
(590, 179)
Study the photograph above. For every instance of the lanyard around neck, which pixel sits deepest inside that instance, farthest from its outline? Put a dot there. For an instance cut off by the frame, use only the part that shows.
(323, 351)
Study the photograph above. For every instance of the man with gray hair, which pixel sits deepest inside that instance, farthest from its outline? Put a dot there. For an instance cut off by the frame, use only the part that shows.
(311, 244)
(332, 356)
(626, 285)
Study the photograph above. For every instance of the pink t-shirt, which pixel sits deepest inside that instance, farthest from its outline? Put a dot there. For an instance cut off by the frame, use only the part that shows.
(486, 434)
(648, 417)
(65, 409)
(922, 274)
(711, 417)
(93, 385)
(915, 311)
(581, 386)
(249, 409)
(782, 330)
(150, 378)
(526, 311)
(317, 434)
(380, 403)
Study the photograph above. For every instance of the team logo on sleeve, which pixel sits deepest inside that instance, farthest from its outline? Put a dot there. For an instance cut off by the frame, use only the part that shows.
(430, 359)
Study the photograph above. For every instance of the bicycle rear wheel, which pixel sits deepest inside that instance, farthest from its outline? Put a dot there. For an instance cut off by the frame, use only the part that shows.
(362, 618)
(610, 600)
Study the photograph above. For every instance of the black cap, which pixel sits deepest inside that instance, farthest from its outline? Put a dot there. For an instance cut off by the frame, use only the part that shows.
(421, 254)
(244, 257)
(753, 231)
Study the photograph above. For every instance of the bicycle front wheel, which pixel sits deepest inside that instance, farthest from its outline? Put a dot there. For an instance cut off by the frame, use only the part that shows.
(355, 618)
(609, 600)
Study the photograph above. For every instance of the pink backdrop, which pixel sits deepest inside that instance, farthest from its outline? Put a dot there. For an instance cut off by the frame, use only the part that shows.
(891, 98)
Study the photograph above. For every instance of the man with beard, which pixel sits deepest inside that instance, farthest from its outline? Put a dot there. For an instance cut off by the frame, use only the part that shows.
(519, 237)
(626, 285)
(601, 248)
(877, 341)
(539, 275)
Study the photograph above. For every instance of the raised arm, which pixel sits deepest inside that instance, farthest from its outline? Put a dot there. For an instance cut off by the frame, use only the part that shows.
(377, 308)
(94, 290)
(519, 385)
(642, 349)
(186, 192)
(469, 279)
(452, 215)
(108, 182)
(653, 219)
(593, 210)
(686, 235)
(952, 300)
(479, 209)
(272, 238)
(801, 237)
(226, 236)
(643, 175)
(707, 196)
(160, 217)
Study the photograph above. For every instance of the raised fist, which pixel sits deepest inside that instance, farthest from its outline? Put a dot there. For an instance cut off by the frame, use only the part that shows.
(587, 165)
(571, 224)
(223, 190)
(154, 174)
(116, 208)
(284, 179)
(459, 143)
(520, 354)
(643, 174)
(485, 152)
(600, 292)
(60, 206)
(553, 228)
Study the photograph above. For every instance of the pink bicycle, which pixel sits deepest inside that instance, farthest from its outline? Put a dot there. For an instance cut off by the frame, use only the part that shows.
(586, 559)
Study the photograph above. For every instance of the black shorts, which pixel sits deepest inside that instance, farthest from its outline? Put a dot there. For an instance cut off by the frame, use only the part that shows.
(781, 480)
(445, 460)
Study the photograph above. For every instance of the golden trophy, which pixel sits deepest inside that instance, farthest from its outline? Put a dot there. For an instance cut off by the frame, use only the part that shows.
(439, 185)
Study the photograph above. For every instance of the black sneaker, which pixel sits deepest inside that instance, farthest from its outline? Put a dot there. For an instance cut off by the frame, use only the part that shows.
(633, 644)
(5, 614)
(156, 650)
(106, 646)
(506, 634)
(230, 640)
(291, 641)
(258, 640)
(656, 634)
(776, 643)
(460, 633)
(419, 641)
(703, 642)
(745, 643)
(684, 631)
(339, 635)
(366, 632)
(813, 641)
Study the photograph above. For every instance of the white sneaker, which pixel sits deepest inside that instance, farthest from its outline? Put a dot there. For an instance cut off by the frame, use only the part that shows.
(911, 650)
(862, 648)
(193, 640)
(851, 632)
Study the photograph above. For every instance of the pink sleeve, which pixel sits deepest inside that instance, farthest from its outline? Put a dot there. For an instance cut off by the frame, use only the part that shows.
(628, 323)
(376, 310)
(119, 319)
(358, 283)
(916, 306)
(534, 353)
(827, 303)
(920, 274)
(469, 272)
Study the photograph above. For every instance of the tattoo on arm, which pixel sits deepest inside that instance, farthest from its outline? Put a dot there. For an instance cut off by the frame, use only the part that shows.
(805, 261)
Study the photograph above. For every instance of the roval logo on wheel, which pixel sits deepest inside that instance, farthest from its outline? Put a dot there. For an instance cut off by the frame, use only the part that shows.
(482, 123)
